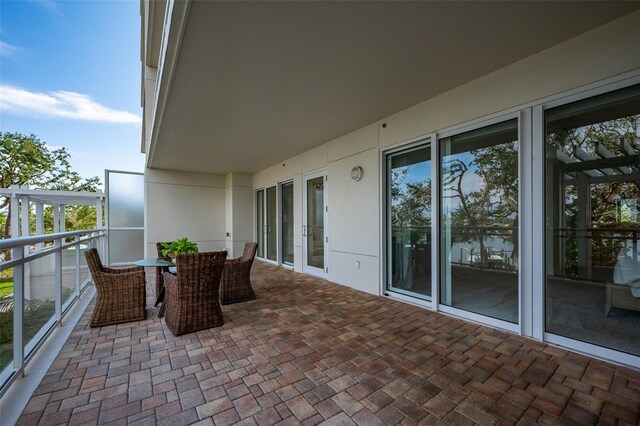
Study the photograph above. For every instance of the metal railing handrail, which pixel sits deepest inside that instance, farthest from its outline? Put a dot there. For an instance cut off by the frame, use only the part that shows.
(42, 238)
(23, 349)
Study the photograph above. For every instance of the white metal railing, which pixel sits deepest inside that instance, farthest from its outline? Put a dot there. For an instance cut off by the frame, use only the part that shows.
(47, 280)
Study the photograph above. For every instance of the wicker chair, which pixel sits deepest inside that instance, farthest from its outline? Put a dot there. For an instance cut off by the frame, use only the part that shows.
(191, 296)
(236, 280)
(121, 293)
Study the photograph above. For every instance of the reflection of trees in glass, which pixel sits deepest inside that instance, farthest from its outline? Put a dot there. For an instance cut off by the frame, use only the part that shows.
(410, 203)
(607, 198)
(571, 222)
(491, 207)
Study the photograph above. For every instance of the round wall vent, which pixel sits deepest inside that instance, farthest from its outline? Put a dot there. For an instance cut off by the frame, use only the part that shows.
(356, 173)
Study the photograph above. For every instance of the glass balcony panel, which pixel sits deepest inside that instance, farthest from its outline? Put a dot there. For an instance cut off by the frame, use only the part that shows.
(125, 245)
(6, 318)
(68, 273)
(84, 269)
(39, 295)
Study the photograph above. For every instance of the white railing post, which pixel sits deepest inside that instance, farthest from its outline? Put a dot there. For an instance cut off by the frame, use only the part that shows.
(58, 278)
(78, 265)
(24, 224)
(17, 253)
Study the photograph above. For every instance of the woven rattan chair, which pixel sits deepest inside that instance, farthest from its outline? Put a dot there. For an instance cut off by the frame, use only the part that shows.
(236, 280)
(191, 296)
(121, 293)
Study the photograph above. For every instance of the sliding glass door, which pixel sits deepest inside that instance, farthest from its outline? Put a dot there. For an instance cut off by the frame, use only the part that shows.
(286, 191)
(272, 224)
(408, 190)
(593, 220)
(266, 223)
(479, 221)
(260, 228)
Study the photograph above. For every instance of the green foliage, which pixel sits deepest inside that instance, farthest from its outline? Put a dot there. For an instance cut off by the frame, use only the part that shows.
(26, 160)
(179, 246)
(611, 227)
(6, 286)
(411, 201)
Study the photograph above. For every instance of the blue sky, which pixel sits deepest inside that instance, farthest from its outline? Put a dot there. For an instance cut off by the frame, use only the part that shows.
(70, 73)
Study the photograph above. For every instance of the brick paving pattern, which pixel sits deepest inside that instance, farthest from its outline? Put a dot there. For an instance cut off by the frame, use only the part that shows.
(311, 352)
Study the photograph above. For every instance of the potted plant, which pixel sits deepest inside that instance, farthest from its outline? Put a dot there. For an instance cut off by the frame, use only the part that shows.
(179, 246)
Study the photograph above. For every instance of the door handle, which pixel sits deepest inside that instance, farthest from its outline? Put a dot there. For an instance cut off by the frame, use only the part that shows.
(304, 230)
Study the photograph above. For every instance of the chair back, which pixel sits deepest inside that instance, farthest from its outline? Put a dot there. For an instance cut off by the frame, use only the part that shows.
(159, 248)
(93, 262)
(249, 252)
(202, 270)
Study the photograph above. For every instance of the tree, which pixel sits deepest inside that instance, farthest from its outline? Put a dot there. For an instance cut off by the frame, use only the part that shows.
(611, 230)
(489, 207)
(26, 160)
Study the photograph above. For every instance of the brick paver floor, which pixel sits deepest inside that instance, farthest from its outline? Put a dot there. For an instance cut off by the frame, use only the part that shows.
(308, 351)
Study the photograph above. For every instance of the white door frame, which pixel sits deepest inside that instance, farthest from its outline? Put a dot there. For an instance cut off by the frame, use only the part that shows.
(311, 270)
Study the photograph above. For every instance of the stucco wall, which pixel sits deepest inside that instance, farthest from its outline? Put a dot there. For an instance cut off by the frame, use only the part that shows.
(354, 207)
(182, 204)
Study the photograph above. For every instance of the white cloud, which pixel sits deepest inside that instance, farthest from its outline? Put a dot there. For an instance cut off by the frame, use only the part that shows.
(61, 104)
(7, 50)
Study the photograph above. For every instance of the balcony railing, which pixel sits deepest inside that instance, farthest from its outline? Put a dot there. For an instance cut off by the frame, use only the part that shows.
(48, 273)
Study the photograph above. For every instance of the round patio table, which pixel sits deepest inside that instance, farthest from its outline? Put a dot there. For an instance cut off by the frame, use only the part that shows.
(158, 262)
(155, 262)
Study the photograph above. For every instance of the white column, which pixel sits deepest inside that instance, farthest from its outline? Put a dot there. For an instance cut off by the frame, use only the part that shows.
(24, 213)
(56, 218)
(238, 212)
(39, 222)
(62, 218)
(15, 216)
(99, 213)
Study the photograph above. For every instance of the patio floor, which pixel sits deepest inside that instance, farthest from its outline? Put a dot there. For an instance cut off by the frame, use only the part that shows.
(309, 351)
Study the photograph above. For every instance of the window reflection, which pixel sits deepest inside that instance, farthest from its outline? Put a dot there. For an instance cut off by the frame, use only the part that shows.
(592, 216)
(479, 227)
(409, 221)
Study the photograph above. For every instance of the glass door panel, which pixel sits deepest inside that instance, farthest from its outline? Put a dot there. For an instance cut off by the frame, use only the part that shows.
(479, 224)
(272, 226)
(314, 226)
(409, 222)
(287, 223)
(593, 220)
(260, 222)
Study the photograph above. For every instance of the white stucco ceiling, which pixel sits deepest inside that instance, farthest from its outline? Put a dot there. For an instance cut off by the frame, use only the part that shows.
(257, 83)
